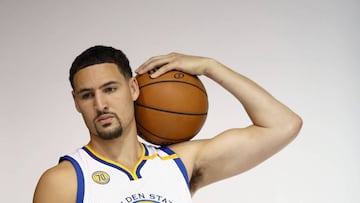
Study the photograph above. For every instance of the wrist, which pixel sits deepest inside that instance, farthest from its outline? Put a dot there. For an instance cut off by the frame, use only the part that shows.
(211, 67)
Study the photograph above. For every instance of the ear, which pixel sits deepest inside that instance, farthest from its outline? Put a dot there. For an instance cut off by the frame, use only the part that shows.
(75, 102)
(134, 88)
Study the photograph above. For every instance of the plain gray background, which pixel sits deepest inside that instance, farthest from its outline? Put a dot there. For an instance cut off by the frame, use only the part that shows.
(306, 53)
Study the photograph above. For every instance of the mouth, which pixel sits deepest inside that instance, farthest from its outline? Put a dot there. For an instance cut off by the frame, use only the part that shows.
(104, 119)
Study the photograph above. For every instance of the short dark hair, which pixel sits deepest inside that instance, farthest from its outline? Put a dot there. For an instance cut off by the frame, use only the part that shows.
(100, 54)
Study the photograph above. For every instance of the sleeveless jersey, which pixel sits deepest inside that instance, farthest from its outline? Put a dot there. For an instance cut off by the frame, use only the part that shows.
(158, 177)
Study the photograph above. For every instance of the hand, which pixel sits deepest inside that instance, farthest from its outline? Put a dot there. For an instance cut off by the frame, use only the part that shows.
(194, 65)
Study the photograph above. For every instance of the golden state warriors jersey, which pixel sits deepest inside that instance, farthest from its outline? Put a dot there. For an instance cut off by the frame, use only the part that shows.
(158, 177)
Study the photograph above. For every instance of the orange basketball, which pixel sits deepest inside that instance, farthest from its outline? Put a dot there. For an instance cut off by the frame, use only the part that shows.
(171, 108)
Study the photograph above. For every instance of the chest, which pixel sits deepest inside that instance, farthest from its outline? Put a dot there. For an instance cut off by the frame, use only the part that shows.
(152, 180)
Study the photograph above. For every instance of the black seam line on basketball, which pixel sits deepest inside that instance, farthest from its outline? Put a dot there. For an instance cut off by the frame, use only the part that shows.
(175, 112)
(161, 137)
(174, 81)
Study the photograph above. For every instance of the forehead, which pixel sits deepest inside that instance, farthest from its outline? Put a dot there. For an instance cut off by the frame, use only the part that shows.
(96, 75)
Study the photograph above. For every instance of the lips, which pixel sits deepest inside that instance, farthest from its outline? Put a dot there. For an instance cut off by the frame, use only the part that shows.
(104, 119)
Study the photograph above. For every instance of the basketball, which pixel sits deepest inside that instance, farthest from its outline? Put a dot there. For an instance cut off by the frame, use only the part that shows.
(171, 108)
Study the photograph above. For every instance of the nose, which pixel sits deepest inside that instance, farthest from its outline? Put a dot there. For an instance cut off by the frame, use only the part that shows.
(100, 103)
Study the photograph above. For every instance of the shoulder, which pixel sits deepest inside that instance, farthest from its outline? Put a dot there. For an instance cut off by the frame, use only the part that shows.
(57, 184)
(188, 152)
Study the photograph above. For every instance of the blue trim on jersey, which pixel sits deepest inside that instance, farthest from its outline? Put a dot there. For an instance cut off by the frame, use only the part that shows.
(179, 163)
(107, 163)
(80, 178)
(183, 170)
(142, 162)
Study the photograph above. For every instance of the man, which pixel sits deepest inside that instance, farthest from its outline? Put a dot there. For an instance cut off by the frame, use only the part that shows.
(115, 167)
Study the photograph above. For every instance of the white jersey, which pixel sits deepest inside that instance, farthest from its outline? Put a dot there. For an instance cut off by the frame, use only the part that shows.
(158, 177)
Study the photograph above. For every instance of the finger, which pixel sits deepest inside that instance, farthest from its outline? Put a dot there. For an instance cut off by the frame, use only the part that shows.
(152, 63)
(161, 70)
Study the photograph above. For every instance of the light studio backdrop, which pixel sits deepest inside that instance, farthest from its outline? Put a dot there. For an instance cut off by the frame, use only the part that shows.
(306, 53)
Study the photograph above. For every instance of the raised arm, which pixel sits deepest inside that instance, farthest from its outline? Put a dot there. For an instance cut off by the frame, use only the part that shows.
(235, 150)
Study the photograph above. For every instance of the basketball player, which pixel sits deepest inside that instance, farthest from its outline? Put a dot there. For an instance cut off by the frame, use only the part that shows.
(115, 167)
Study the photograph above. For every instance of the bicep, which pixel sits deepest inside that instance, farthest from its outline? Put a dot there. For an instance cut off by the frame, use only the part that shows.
(235, 151)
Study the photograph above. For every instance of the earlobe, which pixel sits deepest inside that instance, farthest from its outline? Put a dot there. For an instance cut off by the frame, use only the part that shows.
(134, 88)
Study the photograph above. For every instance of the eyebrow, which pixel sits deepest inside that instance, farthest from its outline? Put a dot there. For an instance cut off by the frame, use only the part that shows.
(101, 86)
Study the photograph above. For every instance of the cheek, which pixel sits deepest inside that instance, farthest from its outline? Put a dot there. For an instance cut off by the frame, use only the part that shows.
(87, 113)
(124, 108)
(89, 122)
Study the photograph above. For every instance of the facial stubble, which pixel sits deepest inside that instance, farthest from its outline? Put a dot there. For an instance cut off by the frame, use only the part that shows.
(107, 134)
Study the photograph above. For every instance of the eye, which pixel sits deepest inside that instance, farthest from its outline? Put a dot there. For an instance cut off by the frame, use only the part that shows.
(110, 89)
(87, 95)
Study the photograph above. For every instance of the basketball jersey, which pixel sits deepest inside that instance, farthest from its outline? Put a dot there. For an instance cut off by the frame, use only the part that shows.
(158, 177)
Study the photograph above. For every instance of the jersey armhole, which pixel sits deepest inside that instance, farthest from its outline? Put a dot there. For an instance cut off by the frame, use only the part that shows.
(80, 178)
(179, 163)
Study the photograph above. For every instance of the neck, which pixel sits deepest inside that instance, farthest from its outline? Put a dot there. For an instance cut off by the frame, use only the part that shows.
(124, 151)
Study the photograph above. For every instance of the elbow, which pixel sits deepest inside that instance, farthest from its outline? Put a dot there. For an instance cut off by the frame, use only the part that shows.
(294, 126)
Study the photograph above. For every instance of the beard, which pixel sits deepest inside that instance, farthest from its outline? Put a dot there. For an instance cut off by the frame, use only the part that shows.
(109, 134)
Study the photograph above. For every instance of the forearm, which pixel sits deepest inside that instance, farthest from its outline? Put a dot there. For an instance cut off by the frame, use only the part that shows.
(263, 109)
